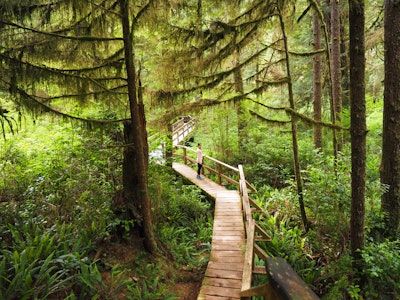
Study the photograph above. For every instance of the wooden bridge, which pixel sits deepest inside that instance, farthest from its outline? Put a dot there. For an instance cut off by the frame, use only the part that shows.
(231, 267)
(230, 271)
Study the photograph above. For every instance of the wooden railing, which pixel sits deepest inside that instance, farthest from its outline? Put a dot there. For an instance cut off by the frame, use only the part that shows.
(219, 171)
(181, 129)
(253, 233)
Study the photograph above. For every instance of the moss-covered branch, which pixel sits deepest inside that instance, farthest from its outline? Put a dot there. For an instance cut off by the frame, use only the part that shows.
(270, 121)
(310, 121)
(31, 103)
(88, 38)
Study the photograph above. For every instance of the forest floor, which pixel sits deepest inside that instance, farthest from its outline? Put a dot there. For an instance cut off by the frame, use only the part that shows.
(179, 281)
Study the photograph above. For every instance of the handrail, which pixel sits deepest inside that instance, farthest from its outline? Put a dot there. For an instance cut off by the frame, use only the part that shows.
(251, 250)
(217, 169)
(210, 158)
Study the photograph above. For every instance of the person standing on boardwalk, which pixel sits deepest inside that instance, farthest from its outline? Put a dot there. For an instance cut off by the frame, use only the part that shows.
(199, 160)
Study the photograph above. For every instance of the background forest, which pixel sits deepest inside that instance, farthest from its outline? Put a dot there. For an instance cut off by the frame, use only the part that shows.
(89, 89)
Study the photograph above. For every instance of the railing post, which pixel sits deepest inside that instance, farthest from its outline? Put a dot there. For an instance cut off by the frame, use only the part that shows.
(184, 156)
(219, 174)
(169, 146)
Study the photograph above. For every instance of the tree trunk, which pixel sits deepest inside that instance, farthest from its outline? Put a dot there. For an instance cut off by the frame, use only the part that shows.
(344, 65)
(328, 32)
(317, 77)
(390, 166)
(138, 171)
(129, 163)
(295, 146)
(335, 67)
(142, 120)
(358, 129)
(241, 121)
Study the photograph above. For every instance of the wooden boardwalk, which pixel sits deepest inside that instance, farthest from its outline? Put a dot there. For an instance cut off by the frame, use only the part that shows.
(223, 277)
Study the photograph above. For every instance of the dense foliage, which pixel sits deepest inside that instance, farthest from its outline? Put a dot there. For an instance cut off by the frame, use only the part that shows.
(60, 238)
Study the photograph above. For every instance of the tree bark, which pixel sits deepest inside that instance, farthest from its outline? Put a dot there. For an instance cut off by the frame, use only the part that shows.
(138, 172)
(335, 67)
(390, 166)
(328, 32)
(295, 146)
(358, 129)
(317, 79)
(344, 65)
(238, 80)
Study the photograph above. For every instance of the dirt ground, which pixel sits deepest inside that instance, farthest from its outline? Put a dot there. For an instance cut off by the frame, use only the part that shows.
(184, 284)
(188, 290)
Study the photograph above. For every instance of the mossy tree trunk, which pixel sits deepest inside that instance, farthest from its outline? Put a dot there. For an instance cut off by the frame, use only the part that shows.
(317, 79)
(390, 166)
(239, 89)
(328, 34)
(336, 71)
(358, 130)
(295, 147)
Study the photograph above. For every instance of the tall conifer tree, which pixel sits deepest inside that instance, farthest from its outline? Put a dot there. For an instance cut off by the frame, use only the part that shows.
(358, 129)
(390, 166)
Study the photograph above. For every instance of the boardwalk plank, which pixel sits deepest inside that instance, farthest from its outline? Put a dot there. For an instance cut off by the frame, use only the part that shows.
(226, 253)
(228, 274)
(225, 266)
(228, 238)
(227, 228)
(228, 222)
(218, 245)
(235, 283)
(227, 292)
(210, 297)
(222, 257)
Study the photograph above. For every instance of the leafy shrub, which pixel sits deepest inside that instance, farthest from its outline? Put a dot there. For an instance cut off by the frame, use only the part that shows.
(58, 177)
(382, 270)
(148, 285)
(287, 239)
(13, 163)
(188, 228)
(327, 197)
(289, 243)
(92, 284)
(182, 216)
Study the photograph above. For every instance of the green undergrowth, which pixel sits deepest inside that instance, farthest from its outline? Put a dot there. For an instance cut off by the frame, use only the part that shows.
(322, 255)
(57, 185)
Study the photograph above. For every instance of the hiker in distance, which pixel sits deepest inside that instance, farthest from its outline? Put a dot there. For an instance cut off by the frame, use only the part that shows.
(199, 160)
